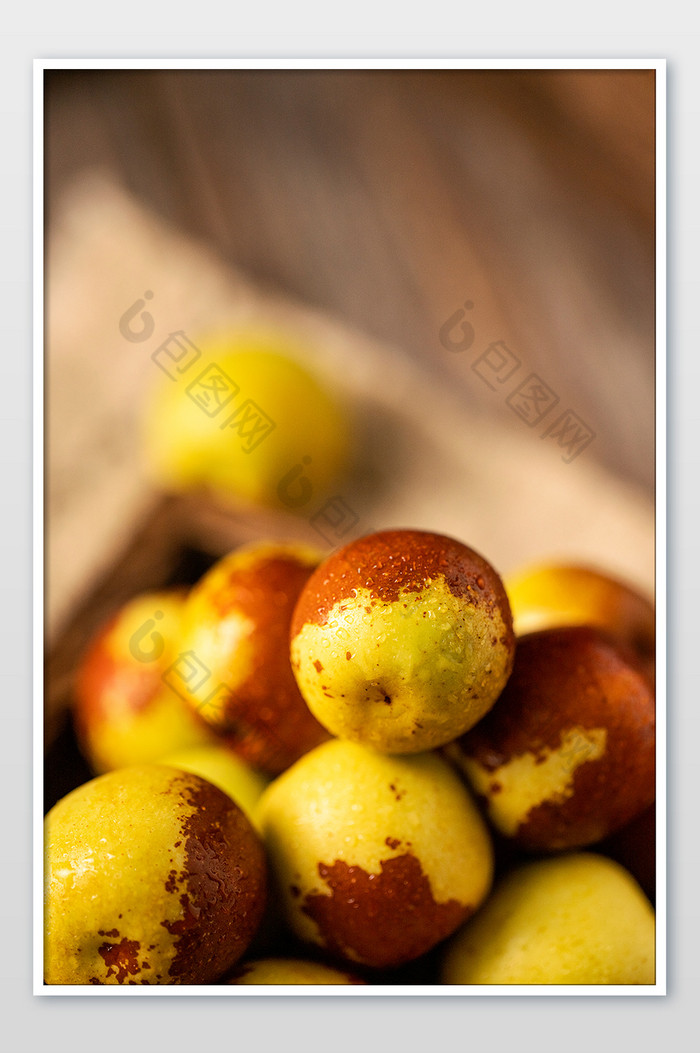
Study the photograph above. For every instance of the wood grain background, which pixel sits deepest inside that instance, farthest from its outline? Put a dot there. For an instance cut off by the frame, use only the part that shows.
(388, 198)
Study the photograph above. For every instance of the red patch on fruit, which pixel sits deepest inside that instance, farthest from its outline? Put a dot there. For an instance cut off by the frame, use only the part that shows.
(567, 678)
(392, 562)
(265, 719)
(382, 920)
(224, 886)
(121, 958)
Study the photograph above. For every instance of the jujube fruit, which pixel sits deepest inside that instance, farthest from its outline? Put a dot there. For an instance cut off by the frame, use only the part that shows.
(152, 876)
(567, 754)
(124, 710)
(375, 858)
(234, 658)
(402, 640)
(578, 918)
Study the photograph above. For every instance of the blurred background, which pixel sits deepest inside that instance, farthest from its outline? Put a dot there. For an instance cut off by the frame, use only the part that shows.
(470, 253)
(390, 197)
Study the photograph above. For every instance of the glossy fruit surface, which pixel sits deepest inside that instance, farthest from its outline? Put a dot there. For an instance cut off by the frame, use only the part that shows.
(125, 712)
(550, 595)
(402, 640)
(567, 754)
(376, 858)
(152, 876)
(225, 769)
(575, 919)
(234, 662)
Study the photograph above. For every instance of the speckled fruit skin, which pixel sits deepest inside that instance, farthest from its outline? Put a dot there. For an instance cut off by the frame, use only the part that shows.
(236, 631)
(376, 858)
(551, 595)
(152, 876)
(296, 971)
(225, 769)
(402, 640)
(578, 918)
(123, 710)
(567, 754)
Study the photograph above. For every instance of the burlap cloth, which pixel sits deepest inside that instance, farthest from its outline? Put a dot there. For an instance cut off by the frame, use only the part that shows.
(430, 463)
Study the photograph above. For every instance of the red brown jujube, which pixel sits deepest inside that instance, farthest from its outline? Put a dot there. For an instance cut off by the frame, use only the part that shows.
(236, 628)
(567, 754)
(402, 640)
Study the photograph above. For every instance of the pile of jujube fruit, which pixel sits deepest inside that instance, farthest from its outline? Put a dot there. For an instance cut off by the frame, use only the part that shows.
(383, 766)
